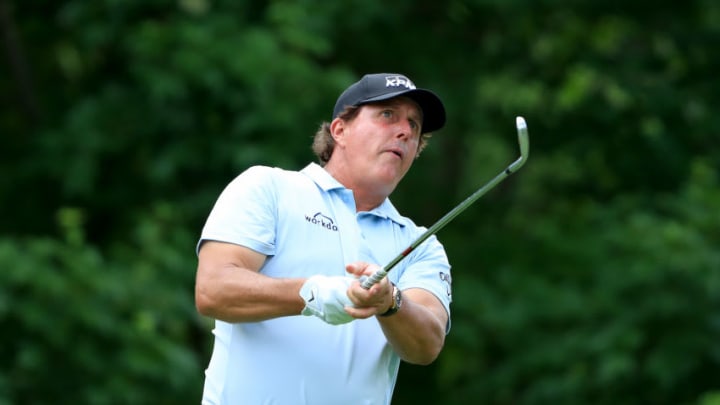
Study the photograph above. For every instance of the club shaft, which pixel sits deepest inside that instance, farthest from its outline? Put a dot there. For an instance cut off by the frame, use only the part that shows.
(524, 149)
(382, 273)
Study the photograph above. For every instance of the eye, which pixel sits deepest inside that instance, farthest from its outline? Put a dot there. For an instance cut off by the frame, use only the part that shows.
(415, 126)
(387, 113)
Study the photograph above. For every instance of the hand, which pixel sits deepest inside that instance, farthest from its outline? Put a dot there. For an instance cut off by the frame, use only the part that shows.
(326, 297)
(373, 301)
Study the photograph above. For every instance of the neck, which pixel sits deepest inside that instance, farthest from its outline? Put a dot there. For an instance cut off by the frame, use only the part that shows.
(367, 196)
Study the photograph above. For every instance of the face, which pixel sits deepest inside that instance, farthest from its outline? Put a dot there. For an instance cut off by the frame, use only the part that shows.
(378, 147)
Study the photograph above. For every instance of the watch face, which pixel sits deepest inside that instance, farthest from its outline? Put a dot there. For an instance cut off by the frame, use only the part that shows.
(397, 301)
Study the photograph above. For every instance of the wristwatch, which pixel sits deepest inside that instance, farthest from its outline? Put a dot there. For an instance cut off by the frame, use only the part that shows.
(397, 301)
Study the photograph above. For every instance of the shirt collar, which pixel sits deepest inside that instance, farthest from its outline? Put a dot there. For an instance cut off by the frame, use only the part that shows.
(321, 177)
(327, 182)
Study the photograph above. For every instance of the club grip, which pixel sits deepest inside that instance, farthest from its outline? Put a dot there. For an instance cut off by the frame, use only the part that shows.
(374, 279)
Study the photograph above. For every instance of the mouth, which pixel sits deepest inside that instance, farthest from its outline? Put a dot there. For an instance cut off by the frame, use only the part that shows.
(396, 152)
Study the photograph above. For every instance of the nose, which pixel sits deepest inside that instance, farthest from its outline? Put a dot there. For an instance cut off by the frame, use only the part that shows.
(404, 129)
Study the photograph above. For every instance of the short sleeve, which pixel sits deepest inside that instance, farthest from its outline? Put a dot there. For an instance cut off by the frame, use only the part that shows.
(429, 269)
(245, 213)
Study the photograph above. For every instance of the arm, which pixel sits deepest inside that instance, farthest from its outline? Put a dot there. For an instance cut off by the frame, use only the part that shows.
(416, 331)
(229, 287)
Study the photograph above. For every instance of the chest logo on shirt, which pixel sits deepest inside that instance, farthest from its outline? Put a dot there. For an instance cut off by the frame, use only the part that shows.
(322, 220)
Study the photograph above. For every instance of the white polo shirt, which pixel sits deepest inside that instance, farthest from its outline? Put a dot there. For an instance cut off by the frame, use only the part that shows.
(306, 223)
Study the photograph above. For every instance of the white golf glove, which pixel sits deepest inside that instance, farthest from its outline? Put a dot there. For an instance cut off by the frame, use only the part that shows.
(326, 297)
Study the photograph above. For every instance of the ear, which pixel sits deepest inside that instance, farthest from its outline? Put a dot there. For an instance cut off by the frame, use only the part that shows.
(337, 130)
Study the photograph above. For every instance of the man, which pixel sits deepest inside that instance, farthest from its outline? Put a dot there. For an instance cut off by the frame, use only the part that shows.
(279, 244)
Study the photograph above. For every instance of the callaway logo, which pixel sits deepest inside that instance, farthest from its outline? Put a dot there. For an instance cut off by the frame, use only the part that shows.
(399, 81)
(323, 221)
(448, 280)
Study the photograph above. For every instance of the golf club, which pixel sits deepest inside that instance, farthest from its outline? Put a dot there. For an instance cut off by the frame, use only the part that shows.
(522, 132)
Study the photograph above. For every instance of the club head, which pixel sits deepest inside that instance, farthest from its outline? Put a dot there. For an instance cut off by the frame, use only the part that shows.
(524, 142)
(523, 137)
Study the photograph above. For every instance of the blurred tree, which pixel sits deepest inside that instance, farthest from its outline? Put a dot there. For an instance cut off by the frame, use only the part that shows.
(592, 276)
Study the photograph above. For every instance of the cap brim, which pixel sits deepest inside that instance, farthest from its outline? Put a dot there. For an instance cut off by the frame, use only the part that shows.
(432, 108)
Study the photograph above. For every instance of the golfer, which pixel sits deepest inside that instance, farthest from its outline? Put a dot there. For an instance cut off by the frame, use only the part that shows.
(282, 252)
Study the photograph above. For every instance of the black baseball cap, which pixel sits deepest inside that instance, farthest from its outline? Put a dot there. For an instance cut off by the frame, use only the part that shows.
(383, 86)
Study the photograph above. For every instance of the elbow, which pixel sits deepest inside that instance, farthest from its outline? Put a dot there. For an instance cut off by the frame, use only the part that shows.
(424, 357)
(429, 357)
(422, 360)
(208, 297)
(204, 304)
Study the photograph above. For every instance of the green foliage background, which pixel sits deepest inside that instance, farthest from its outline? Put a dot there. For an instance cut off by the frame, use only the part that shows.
(590, 277)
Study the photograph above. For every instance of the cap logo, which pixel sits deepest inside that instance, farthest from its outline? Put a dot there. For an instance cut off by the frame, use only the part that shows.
(399, 81)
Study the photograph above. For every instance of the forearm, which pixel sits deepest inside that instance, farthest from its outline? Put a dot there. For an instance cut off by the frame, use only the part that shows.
(239, 295)
(229, 286)
(415, 332)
